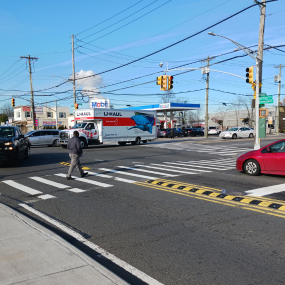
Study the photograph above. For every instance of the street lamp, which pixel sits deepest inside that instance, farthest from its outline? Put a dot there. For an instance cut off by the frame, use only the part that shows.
(257, 61)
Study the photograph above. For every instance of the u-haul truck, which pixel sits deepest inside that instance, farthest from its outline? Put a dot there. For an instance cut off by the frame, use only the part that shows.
(97, 126)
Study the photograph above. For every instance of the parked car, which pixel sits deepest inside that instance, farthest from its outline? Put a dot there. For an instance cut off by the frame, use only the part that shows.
(213, 131)
(193, 132)
(43, 137)
(166, 133)
(237, 132)
(269, 159)
(13, 145)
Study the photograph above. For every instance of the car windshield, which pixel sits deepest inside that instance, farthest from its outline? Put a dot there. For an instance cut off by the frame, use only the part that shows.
(7, 133)
(233, 129)
(79, 126)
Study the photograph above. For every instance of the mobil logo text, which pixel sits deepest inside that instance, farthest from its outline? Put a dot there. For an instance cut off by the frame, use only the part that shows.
(101, 104)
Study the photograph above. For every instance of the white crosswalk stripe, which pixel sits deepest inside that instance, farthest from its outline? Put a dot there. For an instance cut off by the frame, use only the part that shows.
(149, 171)
(195, 165)
(217, 150)
(109, 176)
(166, 169)
(127, 173)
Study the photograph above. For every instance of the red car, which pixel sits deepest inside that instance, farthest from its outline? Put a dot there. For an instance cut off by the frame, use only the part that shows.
(269, 159)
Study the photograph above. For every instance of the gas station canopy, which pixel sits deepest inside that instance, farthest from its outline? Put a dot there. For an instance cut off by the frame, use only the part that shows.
(168, 107)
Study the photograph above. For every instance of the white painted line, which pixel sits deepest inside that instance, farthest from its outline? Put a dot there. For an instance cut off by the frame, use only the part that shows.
(76, 190)
(211, 163)
(149, 171)
(134, 271)
(165, 169)
(112, 177)
(266, 190)
(86, 180)
(46, 196)
(194, 165)
(192, 169)
(46, 181)
(21, 187)
(127, 173)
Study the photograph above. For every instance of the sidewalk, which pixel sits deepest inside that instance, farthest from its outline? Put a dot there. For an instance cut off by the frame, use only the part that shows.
(31, 254)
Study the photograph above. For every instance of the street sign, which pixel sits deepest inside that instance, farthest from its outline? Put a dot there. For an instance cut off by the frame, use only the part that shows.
(265, 99)
(77, 103)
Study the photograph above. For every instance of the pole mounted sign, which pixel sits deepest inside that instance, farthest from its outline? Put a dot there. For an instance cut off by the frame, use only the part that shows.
(265, 99)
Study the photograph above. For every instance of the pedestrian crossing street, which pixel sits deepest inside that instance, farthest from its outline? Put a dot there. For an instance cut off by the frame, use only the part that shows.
(125, 174)
(202, 148)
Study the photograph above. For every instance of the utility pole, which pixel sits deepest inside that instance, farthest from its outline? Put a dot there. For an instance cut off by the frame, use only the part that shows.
(259, 62)
(32, 93)
(207, 97)
(278, 98)
(73, 71)
(56, 120)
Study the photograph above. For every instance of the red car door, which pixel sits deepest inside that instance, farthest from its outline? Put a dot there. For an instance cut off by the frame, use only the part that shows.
(274, 158)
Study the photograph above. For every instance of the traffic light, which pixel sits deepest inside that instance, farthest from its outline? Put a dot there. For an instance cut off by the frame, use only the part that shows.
(158, 80)
(170, 82)
(253, 86)
(13, 102)
(249, 75)
(76, 106)
(163, 82)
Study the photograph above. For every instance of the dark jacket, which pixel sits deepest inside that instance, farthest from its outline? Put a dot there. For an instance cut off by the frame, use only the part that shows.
(74, 146)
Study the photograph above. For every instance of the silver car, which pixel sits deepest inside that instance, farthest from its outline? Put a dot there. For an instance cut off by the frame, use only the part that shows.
(43, 137)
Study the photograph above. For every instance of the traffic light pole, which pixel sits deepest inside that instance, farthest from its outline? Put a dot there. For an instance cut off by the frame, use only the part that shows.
(73, 75)
(256, 137)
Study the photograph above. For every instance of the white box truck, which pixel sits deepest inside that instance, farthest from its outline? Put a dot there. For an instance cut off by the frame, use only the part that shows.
(98, 126)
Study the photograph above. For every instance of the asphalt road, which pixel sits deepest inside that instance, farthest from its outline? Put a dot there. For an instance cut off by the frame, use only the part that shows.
(150, 216)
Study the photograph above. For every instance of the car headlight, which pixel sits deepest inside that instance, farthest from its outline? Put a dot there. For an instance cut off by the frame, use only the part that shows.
(8, 143)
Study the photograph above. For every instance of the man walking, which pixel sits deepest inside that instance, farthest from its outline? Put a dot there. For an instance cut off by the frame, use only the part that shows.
(75, 151)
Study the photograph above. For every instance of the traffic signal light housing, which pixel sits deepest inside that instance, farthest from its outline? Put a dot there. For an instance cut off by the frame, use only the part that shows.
(13, 102)
(170, 82)
(76, 106)
(158, 80)
(249, 75)
(253, 86)
(163, 82)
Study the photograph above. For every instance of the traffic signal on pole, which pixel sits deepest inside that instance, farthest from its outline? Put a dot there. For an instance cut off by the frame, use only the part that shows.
(13, 102)
(158, 80)
(253, 86)
(249, 75)
(76, 106)
(163, 82)
(170, 82)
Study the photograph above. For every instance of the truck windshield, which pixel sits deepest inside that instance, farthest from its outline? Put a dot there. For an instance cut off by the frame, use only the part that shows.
(79, 126)
(7, 133)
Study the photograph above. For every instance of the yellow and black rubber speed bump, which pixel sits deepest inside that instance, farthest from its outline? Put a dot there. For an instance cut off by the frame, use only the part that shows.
(68, 164)
(215, 195)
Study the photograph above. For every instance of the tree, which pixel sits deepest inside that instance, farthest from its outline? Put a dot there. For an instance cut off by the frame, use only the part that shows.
(167, 97)
(220, 116)
(236, 106)
(8, 110)
(198, 116)
(3, 118)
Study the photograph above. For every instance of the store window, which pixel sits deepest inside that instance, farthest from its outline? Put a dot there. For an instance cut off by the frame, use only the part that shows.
(49, 114)
(62, 115)
(28, 114)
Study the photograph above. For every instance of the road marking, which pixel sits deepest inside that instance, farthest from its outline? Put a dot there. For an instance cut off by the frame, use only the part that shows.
(194, 165)
(52, 183)
(87, 180)
(76, 190)
(46, 196)
(68, 164)
(134, 271)
(112, 177)
(266, 190)
(149, 171)
(164, 169)
(21, 187)
(126, 173)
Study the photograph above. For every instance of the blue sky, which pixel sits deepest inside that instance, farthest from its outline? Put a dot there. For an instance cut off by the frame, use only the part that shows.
(44, 30)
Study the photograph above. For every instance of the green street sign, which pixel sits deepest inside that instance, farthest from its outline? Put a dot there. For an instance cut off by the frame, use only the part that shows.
(265, 99)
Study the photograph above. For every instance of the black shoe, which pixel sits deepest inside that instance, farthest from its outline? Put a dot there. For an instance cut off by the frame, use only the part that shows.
(70, 178)
(84, 174)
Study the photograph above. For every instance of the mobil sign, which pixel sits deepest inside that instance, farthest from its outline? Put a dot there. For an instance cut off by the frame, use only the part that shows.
(100, 103)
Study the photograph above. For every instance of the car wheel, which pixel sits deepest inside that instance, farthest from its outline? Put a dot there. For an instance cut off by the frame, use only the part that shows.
(137, 141)
(83, 143)
(234, 136)
(251, 135)
(56, 143)
(251, 167)
(27, 154)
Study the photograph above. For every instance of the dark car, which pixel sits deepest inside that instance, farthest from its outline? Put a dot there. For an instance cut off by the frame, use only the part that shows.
(269, 159)
(193, 132)
(13, 145)
(166, 133)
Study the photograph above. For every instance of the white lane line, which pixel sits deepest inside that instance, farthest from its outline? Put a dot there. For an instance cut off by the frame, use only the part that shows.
(266, 190)
(76, 190)
(86, 180)
(21, 187)
(127, 173)
(112, 177)
(149, 171)
(210, 166)
(46, 196)
(192, 169)
(225, 164)
(164, 169)
(193, 165)
(48, 182)
(134, 271)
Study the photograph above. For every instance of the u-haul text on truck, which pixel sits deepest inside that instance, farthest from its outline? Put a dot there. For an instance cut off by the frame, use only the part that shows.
(97, 126)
